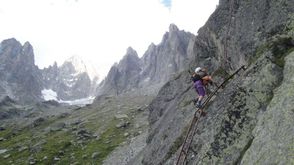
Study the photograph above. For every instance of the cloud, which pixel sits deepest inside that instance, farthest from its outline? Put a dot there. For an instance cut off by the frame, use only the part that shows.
(99, 31)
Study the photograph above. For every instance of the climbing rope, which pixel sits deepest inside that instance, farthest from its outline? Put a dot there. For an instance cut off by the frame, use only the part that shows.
(193, 126)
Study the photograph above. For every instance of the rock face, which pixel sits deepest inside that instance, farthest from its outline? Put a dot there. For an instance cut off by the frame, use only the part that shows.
(237, 29)
(123, 76)
(169, 57)
(158, 64)
(250, 121)
(20, 79)
(8, 108)
(273, 134)
(72, 80)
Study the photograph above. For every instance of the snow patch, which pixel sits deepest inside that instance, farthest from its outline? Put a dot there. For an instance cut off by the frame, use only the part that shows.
(49, 94)
(83, 101)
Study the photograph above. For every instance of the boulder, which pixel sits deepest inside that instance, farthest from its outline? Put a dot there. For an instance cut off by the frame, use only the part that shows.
(58, 126)
(84, 134)
(38, 122)
(121, 116)
(95, 155)
(2, 151)
(123, 124)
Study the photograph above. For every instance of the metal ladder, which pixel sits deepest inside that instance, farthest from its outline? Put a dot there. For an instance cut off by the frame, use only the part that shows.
(193, 126)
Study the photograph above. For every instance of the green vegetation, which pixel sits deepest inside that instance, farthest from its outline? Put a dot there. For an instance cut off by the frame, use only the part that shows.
(55, 144)
(60, 147)
(258, 53)
(85, 136)
(5, 132)
(290, 26)
(13, 140)
(83, 152)
(279, 45)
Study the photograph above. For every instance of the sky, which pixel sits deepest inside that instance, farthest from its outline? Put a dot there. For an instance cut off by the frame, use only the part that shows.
(98, 31)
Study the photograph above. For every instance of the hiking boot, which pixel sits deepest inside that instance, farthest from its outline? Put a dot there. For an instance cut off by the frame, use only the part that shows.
(198, 104)
(195, 101)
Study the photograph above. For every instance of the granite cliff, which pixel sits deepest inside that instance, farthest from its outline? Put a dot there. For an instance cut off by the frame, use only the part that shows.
(20, 79)
(159, 63)
(249, 122)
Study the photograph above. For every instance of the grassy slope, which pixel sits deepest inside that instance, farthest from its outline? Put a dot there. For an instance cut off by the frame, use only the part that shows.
(44, 145)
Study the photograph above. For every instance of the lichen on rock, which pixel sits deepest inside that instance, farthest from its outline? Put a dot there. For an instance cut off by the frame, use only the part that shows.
(274, 134)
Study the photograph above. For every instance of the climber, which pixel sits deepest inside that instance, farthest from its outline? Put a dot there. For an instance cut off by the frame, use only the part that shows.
(201, 79)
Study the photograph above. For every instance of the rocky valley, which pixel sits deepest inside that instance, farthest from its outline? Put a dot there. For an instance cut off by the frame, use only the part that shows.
(143, 108)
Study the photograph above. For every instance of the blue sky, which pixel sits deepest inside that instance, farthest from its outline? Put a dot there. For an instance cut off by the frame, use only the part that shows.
(166, 3)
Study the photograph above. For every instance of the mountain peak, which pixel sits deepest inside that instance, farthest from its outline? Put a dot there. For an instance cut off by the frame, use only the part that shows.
(81, 66)
(75, 59)
(11, 44)
(27, 44)
(173, 27)
(10, 41)
(132, 51)
(131, 55)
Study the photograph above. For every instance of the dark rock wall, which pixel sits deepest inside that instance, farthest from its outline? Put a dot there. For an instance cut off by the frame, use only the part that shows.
(260, 35)
(237, 29)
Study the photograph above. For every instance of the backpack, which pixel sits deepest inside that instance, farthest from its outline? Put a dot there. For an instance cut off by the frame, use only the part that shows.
(195, 77)
(201, 75)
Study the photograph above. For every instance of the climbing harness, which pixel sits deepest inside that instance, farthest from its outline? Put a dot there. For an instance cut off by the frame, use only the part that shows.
(193, 126)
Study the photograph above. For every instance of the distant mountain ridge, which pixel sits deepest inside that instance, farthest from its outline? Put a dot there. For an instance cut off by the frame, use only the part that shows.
(72, 80)
(158, 64)
(22, 80)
